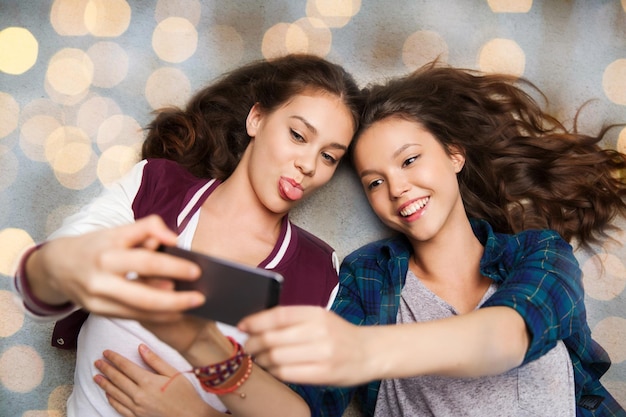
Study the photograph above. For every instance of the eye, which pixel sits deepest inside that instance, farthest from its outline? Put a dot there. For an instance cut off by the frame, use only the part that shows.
(296, 136)
(329, 158)
(373, 184)
(409, 161)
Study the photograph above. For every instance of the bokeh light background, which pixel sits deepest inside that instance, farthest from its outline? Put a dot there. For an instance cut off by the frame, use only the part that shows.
(80, 78)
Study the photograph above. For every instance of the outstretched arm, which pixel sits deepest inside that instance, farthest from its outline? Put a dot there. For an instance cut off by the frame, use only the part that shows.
(539, 302)
(90, 271)
(311, 345)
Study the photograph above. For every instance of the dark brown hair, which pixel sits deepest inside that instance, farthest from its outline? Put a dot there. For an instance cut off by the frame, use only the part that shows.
(523, 168)
(209, 136)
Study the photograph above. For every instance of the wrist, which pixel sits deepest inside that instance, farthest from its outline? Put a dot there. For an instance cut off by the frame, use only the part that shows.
(30, 282)
(376, 359)
(210, 346)
(42, 285)
(227, 376)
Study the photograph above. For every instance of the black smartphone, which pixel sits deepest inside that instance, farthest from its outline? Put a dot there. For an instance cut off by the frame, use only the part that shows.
(232, 290)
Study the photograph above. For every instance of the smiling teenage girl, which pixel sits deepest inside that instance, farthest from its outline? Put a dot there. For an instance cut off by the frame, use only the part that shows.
(486, 299)
(222, 175)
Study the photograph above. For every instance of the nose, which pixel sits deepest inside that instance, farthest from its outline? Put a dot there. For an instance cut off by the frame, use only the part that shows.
(397, 186)
(306, 164)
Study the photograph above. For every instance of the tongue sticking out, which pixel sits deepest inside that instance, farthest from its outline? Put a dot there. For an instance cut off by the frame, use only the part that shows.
(290, 191)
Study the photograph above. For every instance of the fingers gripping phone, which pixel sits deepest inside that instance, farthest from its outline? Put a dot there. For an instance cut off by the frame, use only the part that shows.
(233, 291)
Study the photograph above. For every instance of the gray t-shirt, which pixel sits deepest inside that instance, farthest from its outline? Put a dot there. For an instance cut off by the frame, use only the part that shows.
(544, 387)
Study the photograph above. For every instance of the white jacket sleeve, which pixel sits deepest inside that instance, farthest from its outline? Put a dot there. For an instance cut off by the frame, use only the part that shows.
(113, 207)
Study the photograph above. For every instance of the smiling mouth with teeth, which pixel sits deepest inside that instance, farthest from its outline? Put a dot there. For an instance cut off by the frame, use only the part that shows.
(413, 207)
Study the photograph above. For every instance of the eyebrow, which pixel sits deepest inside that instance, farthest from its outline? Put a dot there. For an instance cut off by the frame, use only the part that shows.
(395, 155)
(306, 123)
(313, 130)
(403, 148)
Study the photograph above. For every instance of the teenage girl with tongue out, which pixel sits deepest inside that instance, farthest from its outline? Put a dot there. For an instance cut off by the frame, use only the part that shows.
(476, 307)
(218, 177)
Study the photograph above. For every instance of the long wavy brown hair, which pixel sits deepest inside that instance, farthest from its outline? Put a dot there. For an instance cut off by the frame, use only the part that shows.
(208, 136)
(523, 168)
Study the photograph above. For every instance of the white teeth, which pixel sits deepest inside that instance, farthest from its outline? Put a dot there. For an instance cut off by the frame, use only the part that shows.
(412, 208)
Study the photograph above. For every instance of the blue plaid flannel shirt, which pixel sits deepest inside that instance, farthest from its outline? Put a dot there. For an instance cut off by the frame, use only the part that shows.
(538, 276)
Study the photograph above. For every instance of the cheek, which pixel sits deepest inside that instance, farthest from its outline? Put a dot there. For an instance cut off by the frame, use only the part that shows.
(377, 203)
(324, 174)
(267, 154)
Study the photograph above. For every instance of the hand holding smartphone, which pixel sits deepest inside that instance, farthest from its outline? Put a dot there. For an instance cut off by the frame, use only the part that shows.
(233, 291)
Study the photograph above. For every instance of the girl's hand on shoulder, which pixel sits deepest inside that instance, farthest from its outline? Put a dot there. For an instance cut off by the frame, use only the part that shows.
(136, 392)
(309, 345)
(93, 271)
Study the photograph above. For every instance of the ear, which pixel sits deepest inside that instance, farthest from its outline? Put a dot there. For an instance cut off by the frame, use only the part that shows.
(458, 158)
(254, 120)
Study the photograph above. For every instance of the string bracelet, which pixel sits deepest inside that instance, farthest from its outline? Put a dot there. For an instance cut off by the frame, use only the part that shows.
(223, 377)
(232, 384)
(218, 373)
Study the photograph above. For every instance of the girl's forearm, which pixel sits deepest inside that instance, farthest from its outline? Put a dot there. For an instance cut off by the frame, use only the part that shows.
(487, 341)
(260, 395)
(264, 396)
